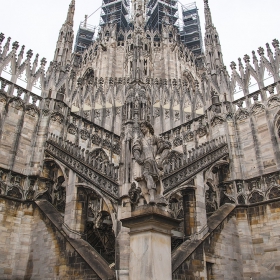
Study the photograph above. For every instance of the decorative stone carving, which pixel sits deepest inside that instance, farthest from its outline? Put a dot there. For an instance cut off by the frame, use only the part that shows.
(57, 117)
(239, 187)
(254, 184)
(14, 192)
(189, 136)
(107, 142)
(32, 111)
(59, 195)
(16, 103)
(177, 208)
(178, 141)
(149, 152)
(116, 146)
(201, 131)
(274, 192)
(118, 111)
(216, 120)
(156, 112)
(271, 180)
(211, 201)
(273, 102)
(86, 114)
(241, 114)
(30, 193)
(96, 139)
(167, 114)
(177, 115)
(72, 129)
(108, 113)
(256, 197)
(257, 108)
(84, 134)
(97, 114)
(241, 200)
(3, 98)
(134, 194)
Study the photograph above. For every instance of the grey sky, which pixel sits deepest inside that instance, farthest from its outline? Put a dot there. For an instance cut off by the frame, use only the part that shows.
(243, 25)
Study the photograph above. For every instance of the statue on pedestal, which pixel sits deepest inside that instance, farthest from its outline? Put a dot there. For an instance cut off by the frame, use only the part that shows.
(139, 17)
(149, 152)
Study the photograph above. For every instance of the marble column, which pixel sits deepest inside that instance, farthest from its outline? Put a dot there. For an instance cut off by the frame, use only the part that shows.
(150, 243)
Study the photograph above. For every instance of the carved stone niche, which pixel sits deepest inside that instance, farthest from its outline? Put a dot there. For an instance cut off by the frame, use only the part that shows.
(99, 230)
(15, 192)
(51, 185)
(211, 200)
(274, 193)
(59, 195)
(241, 200)
(256, 197)
(272, 180)
(254, 184)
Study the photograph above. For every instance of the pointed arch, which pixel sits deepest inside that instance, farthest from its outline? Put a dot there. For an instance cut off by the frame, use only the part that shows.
(198, 108)
(267, 77)
(253, 85)
(99, 99)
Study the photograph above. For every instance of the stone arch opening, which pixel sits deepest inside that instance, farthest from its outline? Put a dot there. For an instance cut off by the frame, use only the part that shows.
(99, 227)
(51, 185)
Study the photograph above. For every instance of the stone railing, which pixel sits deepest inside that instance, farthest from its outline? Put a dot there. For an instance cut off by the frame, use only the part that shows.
(198, 159)
(103, 175)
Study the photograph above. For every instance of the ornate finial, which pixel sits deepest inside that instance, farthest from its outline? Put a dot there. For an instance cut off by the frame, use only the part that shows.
(246, 58)
(261, 51)
(233, 65)
(43, 61)
(254, 56)
(275, 43)
(29, 54)
(15, 45)
(22, 50)
(70, 15)
(240, 63)
(208, 17)
(2, 37)
(36, 59)
(268, 49)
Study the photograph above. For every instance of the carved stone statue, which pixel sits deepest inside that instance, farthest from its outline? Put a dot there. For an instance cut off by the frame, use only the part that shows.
(149, 152)
(139, 17)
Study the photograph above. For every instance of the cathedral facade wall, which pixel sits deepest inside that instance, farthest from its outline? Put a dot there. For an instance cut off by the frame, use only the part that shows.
(32, 248)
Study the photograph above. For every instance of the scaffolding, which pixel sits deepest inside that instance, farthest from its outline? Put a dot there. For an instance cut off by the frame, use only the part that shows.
(191, 34)
(161, 12)
(116, 12)
(84, 37)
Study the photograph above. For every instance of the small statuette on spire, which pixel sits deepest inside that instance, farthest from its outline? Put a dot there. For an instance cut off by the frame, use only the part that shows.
(139, 17)
(70, 15)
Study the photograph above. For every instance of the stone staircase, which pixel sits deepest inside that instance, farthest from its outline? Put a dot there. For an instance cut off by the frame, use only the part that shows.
(88, 253)
(180, 254)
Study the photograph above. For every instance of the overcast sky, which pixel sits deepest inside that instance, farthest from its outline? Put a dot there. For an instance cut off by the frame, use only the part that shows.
(243, 25)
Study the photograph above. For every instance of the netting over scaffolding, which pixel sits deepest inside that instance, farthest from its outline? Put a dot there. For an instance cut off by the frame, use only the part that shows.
(161, 12)
(116, 12)
(84, 37)
(191, 34)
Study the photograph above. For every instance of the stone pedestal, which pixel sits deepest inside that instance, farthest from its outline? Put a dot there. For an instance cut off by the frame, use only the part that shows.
(150, 243)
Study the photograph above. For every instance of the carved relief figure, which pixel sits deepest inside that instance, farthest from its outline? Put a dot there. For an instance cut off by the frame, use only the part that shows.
(149, 152)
